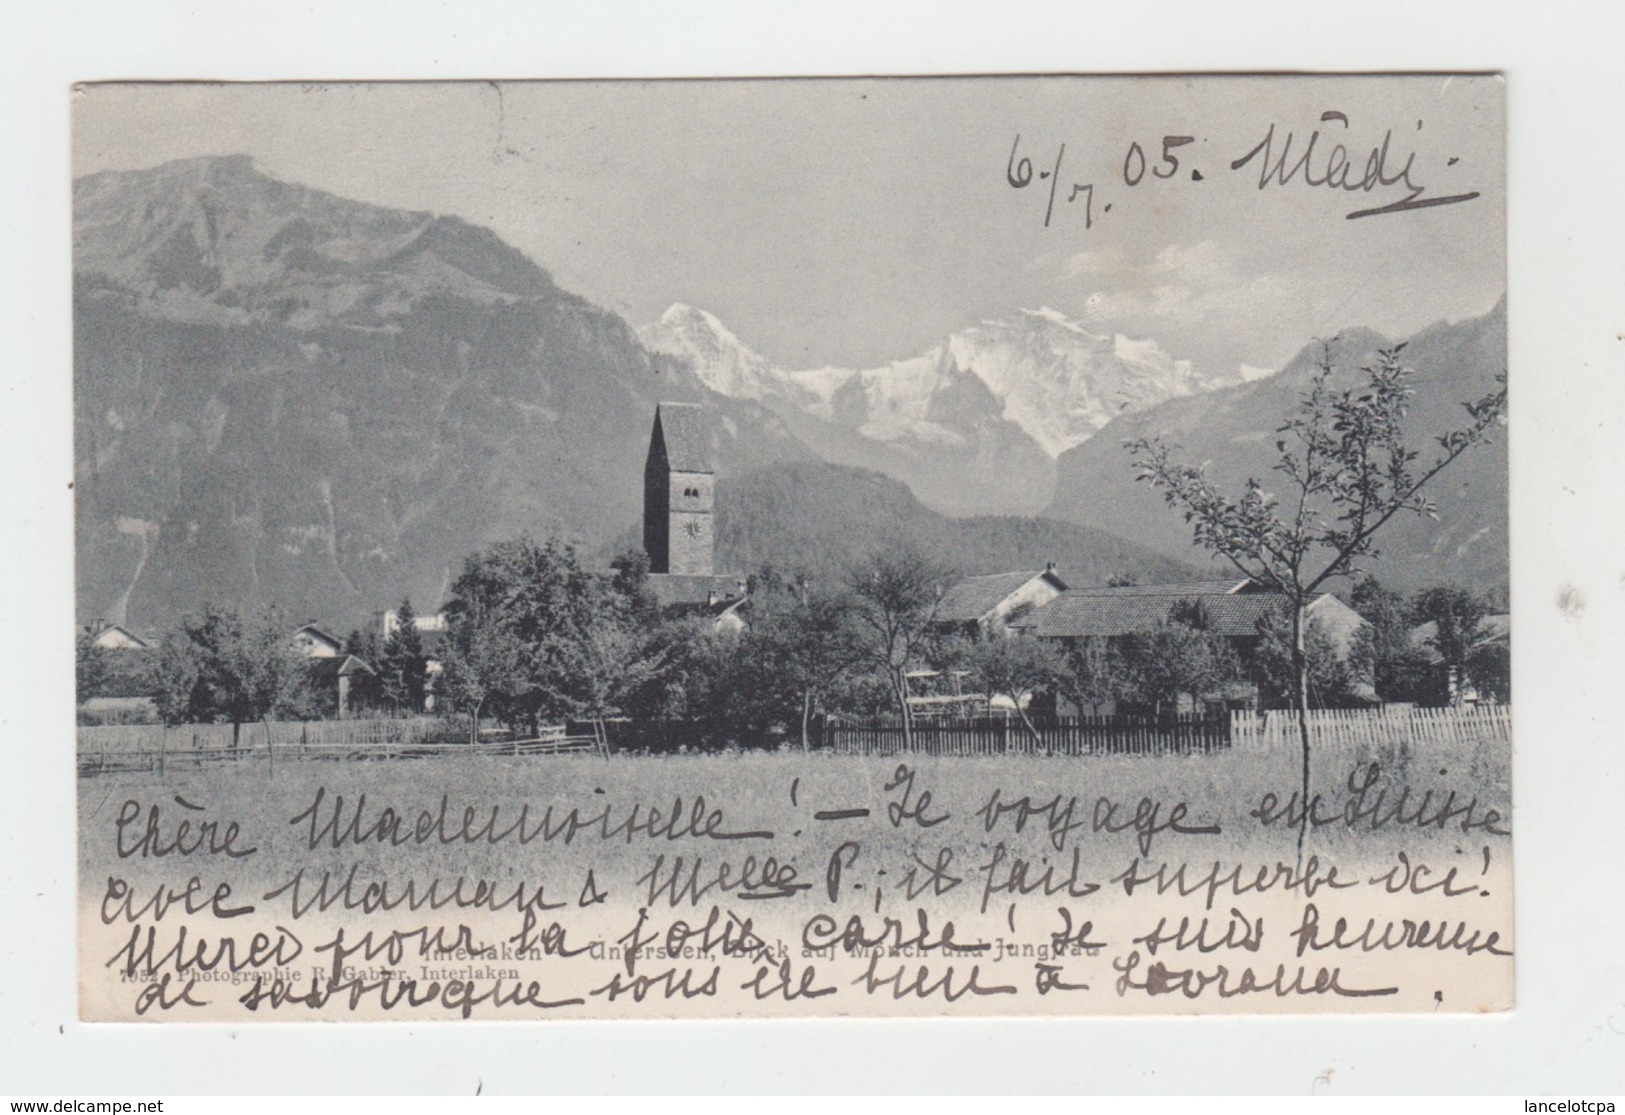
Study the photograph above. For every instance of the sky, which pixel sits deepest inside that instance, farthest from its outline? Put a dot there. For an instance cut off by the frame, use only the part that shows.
(852, 222)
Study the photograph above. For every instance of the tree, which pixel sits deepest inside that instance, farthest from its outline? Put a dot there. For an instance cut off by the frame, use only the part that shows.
(801, 643)
(481, 660)
(518, 620)
(1093, 674)
(403, 667)
(1332, 675)
(630, 582)
(894, 603)
(1182, 657)
(629, 652)
(1456, 614)
(366, 646)
(175, 690)
(704, 675)
(222, 666)
(91, 668)
(1400, 670)
(1016, 668)
(1489, 668)
(1347, 471)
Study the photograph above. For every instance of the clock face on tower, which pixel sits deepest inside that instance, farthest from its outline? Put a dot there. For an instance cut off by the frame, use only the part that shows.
(690, 544)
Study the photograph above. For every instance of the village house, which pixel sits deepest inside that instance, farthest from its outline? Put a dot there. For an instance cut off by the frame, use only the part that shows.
(313, 642)
(1233, 609)
(117, 637)
(722, 599)
(333, 679)
(123, 693)
(990, 603)
(332, 672)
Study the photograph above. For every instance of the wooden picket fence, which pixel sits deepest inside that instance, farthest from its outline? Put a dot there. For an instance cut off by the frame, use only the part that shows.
(1391, 733)
(116, 738)
(1073, 735)
(159, 749)
(1416, 729)
(1387, 731)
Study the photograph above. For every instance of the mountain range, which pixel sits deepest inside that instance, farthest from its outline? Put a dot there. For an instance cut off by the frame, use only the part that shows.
(974, 424)
(1028, 415)
(285, 396)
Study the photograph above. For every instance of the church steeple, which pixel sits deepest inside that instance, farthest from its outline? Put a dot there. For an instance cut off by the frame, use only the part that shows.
(679, 491)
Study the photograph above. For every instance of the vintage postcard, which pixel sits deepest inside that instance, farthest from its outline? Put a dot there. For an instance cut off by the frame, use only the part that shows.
(932, 546)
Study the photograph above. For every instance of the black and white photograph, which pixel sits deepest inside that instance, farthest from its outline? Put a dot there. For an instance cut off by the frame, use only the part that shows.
(734, 548)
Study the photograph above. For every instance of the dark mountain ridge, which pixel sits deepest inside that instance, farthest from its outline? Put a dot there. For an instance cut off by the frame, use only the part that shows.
(1233, 430)
(818, 519)
(283, 396)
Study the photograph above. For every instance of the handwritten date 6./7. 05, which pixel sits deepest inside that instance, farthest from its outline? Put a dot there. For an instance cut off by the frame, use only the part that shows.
(1019, 173)
(1280, 158)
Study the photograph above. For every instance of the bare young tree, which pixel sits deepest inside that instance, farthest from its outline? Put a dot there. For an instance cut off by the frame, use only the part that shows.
(1348, 471)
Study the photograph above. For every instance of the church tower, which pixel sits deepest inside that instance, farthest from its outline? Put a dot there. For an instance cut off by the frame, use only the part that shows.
(679, 492)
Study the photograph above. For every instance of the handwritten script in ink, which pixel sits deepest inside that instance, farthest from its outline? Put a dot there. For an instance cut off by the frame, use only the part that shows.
(1326, 159)
(723, 885)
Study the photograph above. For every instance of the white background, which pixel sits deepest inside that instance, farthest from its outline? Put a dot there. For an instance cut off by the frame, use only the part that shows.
(1567, 309)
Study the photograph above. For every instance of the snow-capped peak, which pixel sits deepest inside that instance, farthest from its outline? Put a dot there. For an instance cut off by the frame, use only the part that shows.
(722, 361)
(1055, 379)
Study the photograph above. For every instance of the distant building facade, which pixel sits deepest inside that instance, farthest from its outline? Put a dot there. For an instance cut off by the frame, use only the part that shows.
(313, 642)
(116, 637)
(389, 622)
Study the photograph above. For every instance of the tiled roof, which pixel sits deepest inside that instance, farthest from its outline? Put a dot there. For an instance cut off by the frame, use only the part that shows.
(675, 589)
(1084, 613)
(136, 642)
(975, 597)
(1232, 586)
(685, 430)
(318, 633)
